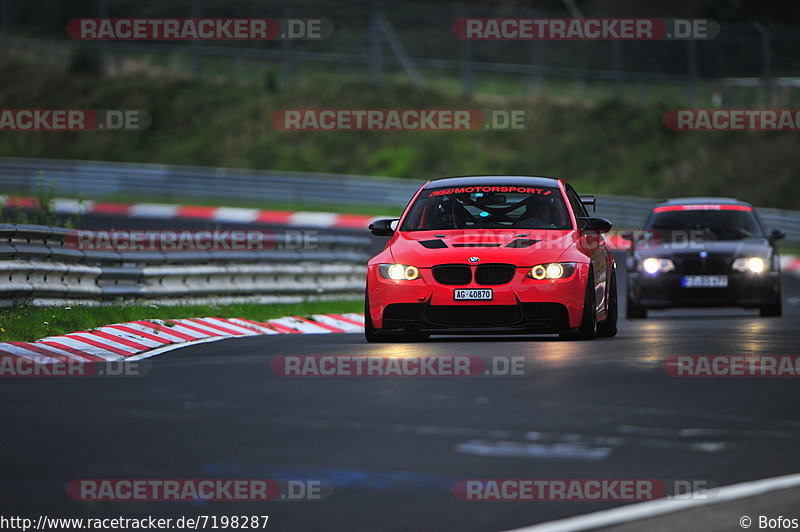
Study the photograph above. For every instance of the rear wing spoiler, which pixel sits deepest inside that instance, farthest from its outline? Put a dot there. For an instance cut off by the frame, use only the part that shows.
(589, 200)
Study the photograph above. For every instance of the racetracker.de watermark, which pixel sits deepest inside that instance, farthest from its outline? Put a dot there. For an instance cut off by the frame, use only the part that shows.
(571, 489)
(74, 120)
(387, 366)
(398, 120)
(50, 366)
(733, 366)
(193, 489)
(198, 29)
(191, 240)
(584, 29)
(732, 119)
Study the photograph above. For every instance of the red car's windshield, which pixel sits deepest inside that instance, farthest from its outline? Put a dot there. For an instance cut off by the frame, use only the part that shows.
(495, 207)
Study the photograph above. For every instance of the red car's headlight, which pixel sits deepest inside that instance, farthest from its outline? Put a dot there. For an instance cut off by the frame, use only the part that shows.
(398, 272)
(552, 270)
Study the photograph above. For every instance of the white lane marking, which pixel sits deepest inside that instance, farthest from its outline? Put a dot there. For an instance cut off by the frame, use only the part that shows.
(313, 219)
(636, 430)
(649, 509)
(81, 346)
(558, 451)
(153, 210)
(645, 431)
(235, 214)
(693, 433)
(300, 325)
(346, 326)
(708, 446)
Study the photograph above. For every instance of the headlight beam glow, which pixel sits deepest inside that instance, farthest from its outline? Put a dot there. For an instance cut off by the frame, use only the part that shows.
(750, 265)
(553, 270)
(398, 272)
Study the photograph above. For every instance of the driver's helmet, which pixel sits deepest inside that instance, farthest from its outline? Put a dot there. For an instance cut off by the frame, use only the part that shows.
(538, 208)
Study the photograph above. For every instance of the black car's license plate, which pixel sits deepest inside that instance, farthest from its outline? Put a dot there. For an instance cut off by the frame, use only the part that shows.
(705, 281)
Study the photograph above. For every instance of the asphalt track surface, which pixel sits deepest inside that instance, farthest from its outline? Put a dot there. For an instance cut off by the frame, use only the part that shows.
(392, 448)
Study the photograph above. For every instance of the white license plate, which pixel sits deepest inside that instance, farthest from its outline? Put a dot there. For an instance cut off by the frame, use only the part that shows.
(462, 294)
(705, 281)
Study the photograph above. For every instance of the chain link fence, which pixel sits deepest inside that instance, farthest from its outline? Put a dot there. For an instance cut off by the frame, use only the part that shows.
(747, 64)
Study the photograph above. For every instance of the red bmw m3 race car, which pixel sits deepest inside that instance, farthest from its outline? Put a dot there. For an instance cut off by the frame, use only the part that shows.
(492, 255)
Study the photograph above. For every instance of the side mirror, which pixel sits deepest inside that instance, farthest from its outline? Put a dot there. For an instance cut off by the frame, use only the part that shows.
(776, 234)
(594, 225)
(383, 227)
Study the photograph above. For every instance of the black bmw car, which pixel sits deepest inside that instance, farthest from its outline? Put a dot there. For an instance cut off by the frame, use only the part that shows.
(707, 252)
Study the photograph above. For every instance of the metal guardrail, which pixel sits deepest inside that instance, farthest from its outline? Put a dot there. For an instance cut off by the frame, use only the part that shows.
(36, 263)
(105, 178)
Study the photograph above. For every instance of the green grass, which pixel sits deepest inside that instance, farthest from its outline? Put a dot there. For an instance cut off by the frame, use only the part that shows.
(789, 248)
(600, 145)
(27, 324)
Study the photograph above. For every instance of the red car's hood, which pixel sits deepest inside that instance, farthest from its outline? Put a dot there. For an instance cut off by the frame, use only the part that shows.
(528, 247)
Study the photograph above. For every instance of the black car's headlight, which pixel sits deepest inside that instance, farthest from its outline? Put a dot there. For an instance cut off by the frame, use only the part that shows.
(552, 270)
(654, 265)
(398, 272)
(750, 265)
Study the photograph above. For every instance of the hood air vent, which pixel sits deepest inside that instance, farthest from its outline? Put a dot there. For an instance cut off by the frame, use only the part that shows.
(521, 243)
(433, 244)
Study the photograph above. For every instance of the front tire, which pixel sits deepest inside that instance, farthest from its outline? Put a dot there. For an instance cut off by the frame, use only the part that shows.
(608, 328)
(588, 328)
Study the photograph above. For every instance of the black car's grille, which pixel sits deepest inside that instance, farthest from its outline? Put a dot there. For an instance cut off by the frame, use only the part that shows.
(473, 315)
(452, 274)
(705, 293)
(491, 274)
(694, 264)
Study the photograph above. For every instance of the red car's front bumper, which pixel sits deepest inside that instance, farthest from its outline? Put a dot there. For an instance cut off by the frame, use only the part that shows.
(522, 305)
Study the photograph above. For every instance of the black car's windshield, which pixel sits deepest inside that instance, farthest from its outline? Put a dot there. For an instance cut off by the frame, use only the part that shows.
(488, 207)
(722, 223)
